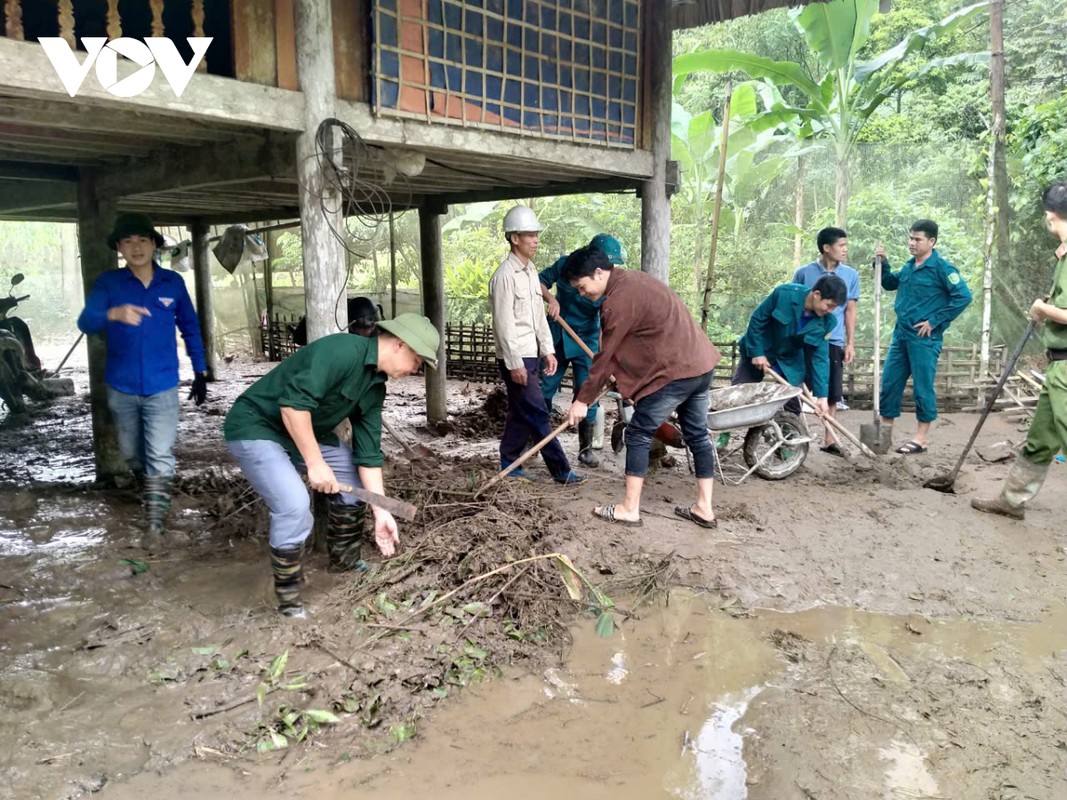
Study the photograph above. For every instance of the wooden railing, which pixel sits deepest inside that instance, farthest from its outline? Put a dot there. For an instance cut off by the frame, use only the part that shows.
(67, 19)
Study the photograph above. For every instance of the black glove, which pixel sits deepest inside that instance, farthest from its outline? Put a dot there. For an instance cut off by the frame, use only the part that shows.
(198, 394)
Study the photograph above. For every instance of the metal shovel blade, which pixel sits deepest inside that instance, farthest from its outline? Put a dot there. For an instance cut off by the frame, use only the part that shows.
(942, 483)
(876, 437)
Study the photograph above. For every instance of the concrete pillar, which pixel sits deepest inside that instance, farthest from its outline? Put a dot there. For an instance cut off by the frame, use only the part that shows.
(96, 218)
(655, 204)
(433, 304)
(324, 254)
(205, 297)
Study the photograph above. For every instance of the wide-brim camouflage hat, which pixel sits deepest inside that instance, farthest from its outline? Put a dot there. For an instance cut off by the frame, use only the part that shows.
(417, 332)
(133, 225)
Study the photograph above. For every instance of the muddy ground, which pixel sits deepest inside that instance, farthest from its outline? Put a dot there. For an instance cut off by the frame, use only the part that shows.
(843, 633)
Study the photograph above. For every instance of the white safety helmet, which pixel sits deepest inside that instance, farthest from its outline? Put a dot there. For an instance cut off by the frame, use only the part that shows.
(521, 220)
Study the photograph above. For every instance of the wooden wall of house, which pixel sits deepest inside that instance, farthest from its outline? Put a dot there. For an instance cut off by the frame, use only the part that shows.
(264, 45)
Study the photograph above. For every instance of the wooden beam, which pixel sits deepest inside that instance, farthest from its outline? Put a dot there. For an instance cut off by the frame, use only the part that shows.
(604, 186)
(321, 224)
(655, 203)
(21, 196)
(25, 71)
(254, 59)
(385, 130)
(205, 298)
(175, 168)
(95, 220)
(433, 306)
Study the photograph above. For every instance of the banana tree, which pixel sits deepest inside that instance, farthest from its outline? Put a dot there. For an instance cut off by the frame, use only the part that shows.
(695, 143)
(840, 103)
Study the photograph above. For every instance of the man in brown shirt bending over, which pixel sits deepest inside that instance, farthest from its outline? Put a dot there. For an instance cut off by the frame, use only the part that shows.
(661, 361)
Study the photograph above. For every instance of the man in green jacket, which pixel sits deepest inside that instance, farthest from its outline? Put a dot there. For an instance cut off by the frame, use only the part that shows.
(282, 426)
(1048, 430)
(789, 332)
(931, 293)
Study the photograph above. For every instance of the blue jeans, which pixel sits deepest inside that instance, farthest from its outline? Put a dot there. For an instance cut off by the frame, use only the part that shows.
(272, 473)
(687, 396)
(550, 383)
(146, 426)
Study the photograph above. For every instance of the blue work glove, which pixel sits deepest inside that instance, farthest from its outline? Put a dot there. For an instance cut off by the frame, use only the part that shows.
(198, 394)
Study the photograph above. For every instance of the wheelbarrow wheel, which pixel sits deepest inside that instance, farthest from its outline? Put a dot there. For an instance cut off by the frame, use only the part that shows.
(786, 459)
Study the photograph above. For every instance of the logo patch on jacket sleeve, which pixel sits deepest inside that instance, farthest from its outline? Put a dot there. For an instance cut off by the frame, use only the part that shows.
(166, 302)
(954, 278)
(827, 336)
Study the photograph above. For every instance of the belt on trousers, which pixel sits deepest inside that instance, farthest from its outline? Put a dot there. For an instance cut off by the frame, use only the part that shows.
(1056, 355)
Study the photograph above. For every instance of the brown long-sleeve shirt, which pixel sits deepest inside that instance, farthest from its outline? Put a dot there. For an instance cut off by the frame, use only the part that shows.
(648, 339)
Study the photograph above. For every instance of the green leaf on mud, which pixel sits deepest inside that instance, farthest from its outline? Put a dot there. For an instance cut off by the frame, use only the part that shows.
(279, 741)
(402, 731)
(137, 567)
(385, 605)
(210, 650)
(277, 666)
(475, 652)
(321, 717)
(439, 692)
(605, 624)
(568, 573)
(261, 692)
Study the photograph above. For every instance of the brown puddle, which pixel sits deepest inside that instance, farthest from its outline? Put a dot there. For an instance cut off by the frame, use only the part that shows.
(697, 703)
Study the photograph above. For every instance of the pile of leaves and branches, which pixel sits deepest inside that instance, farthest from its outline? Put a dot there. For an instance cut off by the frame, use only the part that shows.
(480, 585)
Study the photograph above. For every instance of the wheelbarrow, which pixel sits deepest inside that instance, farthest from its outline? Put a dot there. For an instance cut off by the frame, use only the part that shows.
(773, 446)
(775, 441)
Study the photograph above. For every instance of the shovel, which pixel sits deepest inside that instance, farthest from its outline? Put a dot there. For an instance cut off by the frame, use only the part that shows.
(518, 462)
(945, 483)
(872, 434)
(419, 451)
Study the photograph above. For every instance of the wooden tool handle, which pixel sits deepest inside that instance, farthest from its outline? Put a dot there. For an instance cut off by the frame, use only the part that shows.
(531, 452)
(827, 420)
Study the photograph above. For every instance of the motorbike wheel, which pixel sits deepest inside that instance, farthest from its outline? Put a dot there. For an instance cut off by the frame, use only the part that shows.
(787, 458)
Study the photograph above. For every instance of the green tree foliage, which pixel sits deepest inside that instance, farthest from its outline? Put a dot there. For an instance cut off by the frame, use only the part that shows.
(847, 91)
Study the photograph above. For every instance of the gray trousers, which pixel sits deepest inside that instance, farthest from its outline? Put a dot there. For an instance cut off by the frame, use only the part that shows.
(280, 483)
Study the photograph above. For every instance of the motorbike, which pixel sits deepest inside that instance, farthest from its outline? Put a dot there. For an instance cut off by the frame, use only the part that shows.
(21, 373)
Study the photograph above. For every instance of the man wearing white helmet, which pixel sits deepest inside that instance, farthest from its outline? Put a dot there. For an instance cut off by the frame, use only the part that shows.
(522, 338)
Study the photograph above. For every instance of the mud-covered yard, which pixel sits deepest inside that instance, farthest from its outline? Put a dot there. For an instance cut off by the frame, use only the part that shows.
(843, 633)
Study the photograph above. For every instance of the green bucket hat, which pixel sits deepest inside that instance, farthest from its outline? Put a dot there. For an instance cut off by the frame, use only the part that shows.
(133, 225)
(418, 333)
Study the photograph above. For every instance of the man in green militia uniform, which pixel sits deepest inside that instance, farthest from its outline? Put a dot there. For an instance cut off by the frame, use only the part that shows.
(931, 293)
(1048, 431)
(283, 424)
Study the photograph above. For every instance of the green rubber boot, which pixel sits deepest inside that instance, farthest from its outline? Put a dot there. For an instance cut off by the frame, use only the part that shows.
(344, 537)
(1022, 485)
(288, 573)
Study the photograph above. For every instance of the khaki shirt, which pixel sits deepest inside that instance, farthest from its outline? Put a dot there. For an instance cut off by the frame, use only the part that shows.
(520, 327)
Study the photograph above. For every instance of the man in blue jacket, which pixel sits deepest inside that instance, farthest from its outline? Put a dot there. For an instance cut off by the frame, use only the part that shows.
(790, 333)
(139, 308)
(931, 293)
(583, 315)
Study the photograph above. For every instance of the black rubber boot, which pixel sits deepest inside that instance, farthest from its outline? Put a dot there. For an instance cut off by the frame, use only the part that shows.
(586, 456)
(288, 573)
(344, 537)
